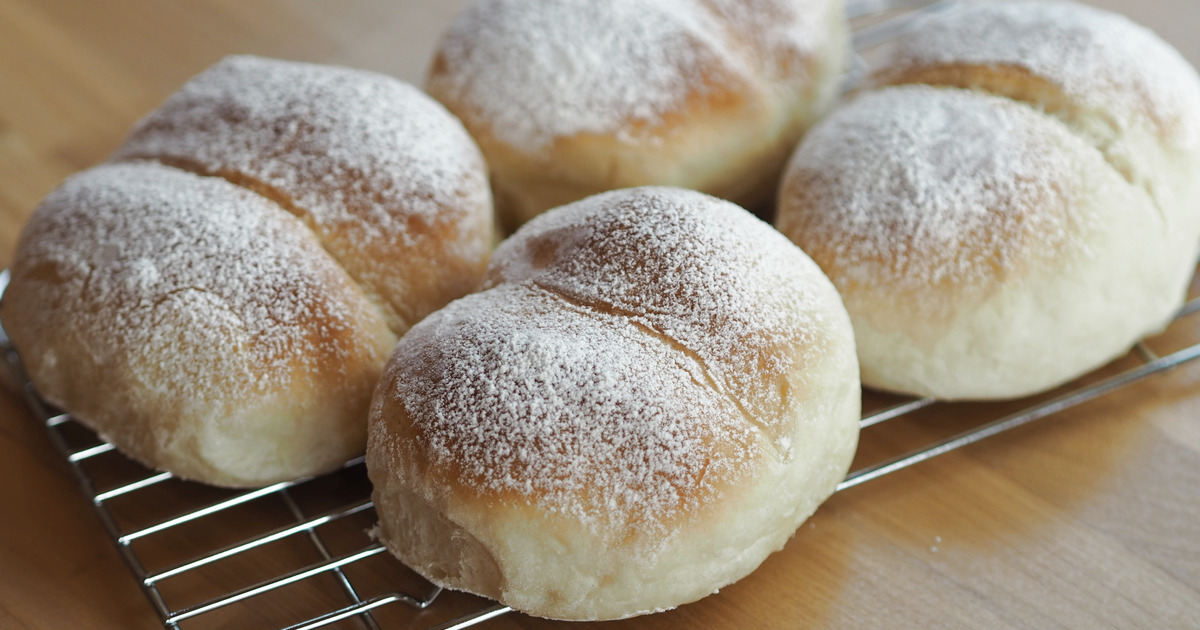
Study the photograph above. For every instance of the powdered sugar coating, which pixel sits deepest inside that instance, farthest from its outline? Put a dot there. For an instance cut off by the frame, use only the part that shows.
(166, 271)
(387, 178)
(778, 33)
(197, 326)
(916, 187)
(678, 263)
(537, 70)
(637, 354)
(1101, 60)
(582, 414)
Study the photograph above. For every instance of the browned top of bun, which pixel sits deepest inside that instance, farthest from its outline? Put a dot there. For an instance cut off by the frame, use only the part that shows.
(387, 179)
(577, 412)
(1065, 57)
(634, 66)
(929, 192)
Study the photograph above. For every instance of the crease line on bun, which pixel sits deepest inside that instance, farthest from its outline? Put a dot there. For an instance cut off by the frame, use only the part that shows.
(397, 321)
(711, 380)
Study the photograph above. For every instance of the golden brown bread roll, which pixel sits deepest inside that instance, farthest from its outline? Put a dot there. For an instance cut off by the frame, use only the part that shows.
(218, 300)
(569, 98)
(1014, 201)
(653, 392)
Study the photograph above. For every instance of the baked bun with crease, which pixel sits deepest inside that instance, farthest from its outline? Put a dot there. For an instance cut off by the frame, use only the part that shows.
(652, 393)
(219, 298)
(569, 98)
(1013, 201)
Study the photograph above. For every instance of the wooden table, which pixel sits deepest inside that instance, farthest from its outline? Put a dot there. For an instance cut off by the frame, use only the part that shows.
(1087, 519)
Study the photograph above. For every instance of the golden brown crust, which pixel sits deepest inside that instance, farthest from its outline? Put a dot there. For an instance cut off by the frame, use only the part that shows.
(1074, 61)
(393, 186)
(1013, 81)
(713, 97)
(447, 454)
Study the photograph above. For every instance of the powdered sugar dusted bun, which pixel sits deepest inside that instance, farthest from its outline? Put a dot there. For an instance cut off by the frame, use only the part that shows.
(573, 97)
(1021, 209)
(197, 326)
(654, 392)
(219, 300)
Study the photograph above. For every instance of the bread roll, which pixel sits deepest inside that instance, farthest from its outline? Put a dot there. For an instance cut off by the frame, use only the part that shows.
(653, 392)
(569, 98)
(1012, 202)
(219, 299)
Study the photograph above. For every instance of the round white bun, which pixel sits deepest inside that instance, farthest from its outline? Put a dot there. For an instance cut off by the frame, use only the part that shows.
(1012, 203)
(651, 395)
(219, 299)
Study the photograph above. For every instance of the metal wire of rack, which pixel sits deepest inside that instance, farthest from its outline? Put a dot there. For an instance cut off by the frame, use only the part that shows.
(311, 533)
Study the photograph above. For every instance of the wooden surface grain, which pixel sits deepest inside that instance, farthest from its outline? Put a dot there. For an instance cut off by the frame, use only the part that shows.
(1087, 519)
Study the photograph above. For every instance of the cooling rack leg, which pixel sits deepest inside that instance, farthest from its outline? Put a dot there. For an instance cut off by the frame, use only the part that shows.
(315, 538)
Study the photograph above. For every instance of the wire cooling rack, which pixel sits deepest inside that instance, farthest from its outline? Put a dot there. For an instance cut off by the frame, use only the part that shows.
(300, 550)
